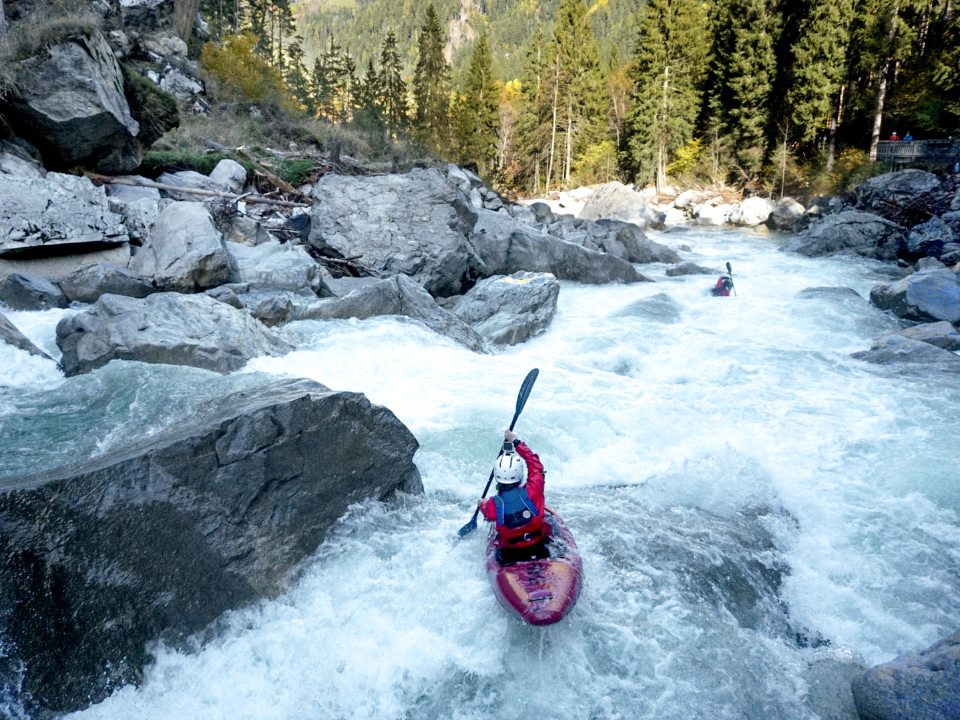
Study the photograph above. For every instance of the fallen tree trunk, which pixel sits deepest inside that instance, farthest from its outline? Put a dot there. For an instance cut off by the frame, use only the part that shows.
(103, 179)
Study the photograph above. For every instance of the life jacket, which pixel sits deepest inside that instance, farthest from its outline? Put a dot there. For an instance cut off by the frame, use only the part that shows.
(518, 522)
(722, 288)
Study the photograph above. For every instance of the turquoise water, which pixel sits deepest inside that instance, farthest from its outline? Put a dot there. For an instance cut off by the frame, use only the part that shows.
(752, 505)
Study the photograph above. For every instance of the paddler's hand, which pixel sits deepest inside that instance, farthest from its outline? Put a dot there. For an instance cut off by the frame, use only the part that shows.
(510, 436)
(479, 502)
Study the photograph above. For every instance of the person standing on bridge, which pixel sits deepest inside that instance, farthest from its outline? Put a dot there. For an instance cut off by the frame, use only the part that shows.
(908, 137)
(894, 136)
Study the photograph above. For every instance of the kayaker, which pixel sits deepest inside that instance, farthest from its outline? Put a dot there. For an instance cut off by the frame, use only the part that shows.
(518, 507)
(723, 286)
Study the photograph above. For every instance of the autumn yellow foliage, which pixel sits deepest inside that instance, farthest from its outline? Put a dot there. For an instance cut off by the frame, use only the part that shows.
(240, 72)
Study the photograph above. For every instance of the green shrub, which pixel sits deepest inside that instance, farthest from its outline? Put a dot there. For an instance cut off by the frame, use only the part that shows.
(158, 161)
(155, 110)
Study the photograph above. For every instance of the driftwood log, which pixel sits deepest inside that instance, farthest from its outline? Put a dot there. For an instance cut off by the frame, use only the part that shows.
(105, 179)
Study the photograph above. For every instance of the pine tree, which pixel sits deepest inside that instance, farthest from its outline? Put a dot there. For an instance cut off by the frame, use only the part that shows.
(819, 66)
(295, 76)
(367, 113)
(579, 82)
(431, 86)
(668, 69)
(479, 117)
(533, 124)
(393, 90)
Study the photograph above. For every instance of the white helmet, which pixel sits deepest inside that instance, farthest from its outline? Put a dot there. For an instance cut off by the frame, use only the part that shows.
(510, 469)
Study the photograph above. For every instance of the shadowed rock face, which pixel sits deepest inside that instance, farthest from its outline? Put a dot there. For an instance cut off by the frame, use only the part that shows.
(923, 686)
(850, 233)
(158, 539)
(507, 310)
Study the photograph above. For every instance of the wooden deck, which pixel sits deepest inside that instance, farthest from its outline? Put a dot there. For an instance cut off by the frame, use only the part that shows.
(902, 151)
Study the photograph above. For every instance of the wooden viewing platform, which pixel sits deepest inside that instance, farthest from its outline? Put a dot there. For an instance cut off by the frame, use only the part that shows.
(907, 151)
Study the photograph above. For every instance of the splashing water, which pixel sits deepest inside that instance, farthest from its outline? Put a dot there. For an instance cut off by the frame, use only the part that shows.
(752, 504)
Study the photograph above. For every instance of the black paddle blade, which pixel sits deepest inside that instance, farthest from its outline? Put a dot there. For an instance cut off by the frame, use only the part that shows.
(729, 269)
(524, 393)
(469, 527)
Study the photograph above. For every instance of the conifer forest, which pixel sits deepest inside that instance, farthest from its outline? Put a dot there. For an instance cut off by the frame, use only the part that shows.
(741, 93)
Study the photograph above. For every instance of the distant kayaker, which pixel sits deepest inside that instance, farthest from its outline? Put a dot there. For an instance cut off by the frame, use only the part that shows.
(723, 286)
(518, 507)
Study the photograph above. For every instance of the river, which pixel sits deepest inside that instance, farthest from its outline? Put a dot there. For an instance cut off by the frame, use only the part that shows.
(758, 512)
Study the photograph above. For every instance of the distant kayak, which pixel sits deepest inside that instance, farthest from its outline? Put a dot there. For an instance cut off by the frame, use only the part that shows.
(539, 592)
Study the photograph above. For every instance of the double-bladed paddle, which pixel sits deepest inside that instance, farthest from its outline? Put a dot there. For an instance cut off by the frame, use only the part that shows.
(730, 272)
(521, 401)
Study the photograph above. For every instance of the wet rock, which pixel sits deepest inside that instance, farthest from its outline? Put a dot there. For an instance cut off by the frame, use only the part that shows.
(70, 103)
(55, 215)
(925, 296)
(896, 349)
(850, 232)
(184, 251)
(837, 292)
(274, 311)
(22, 291)
(157, 539)
(10, 335)
(508, 310)
(416, 224)
(505, 247)
(171, 328)
(641, 249)
(689, 268)
(616, 201)
(828, 688)
(660, 308)
(89, 282)
(928, 239)
(398, 295)
(923, 686)
(942, 334)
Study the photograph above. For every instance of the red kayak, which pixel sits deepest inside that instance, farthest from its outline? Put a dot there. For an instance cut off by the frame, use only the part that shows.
(539, 592)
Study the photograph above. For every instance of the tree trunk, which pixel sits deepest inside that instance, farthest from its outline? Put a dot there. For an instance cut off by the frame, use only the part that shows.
(659, 178)
(3, 21)
(553, 127)
(884, 76)
(834, 123)
(569, 153)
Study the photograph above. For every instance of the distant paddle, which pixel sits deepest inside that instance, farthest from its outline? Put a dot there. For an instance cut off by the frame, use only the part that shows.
(521, 401)
(730, 272)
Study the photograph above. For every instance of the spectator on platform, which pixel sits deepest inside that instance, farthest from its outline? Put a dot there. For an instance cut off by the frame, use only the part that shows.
(908, 137)
(894, 136)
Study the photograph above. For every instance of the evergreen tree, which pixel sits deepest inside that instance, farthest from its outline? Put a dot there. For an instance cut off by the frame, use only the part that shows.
(367, 113)
(330, 78)
(669, 68)
(819, 66)
(393, 90)
(479, 117)
(581, 97)
(533, 123)
(295, 76)
(431, 86)
(750, 78)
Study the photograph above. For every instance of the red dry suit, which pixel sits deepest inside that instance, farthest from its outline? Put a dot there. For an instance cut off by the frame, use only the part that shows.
(535, 530)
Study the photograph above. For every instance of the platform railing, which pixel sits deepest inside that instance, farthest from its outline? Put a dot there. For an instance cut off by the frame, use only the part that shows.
(906, 151)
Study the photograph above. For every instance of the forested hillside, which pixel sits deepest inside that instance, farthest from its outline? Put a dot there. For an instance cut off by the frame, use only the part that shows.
(508, 24)
(792, 97)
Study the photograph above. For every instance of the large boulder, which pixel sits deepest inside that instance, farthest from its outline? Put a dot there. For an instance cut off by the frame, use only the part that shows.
(184, 251)
(689, 268)
(928, 239)
(57, 267)
(155, 540)
(415, 224)
(925, 296)
(924, 686)
(891, 194)
(22, 291)
(788, 216)
(896, 349)
(506, 246)
(398, 295)
(942, 334)
(137, 206)
(618, 202)
(641, 249)
(70, 103)
(689, 199)
(273, 265)
(55, 215)
(852, 233)
(88, 282)
(229, 175)
(752, 212)
(10, 335)
(171, 328)
(507, 310)
(712, 215)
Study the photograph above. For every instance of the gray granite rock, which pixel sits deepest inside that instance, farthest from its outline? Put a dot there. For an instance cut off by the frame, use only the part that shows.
(398, 295)
(942, 334)
(508, 310)
(852, 233)
(273, 265)
(158, 538)
(89, 282)
(924, 686)
(925, 296)
(10, 335)
(22, 291)
(171, 328)
(889, 194)
(689, 268)
(618, 202)
(896, 349)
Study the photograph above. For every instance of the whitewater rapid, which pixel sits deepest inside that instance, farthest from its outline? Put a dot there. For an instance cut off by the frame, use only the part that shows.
(758, 512)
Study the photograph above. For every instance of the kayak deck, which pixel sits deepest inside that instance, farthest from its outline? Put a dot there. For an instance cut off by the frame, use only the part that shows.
(539, 592)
